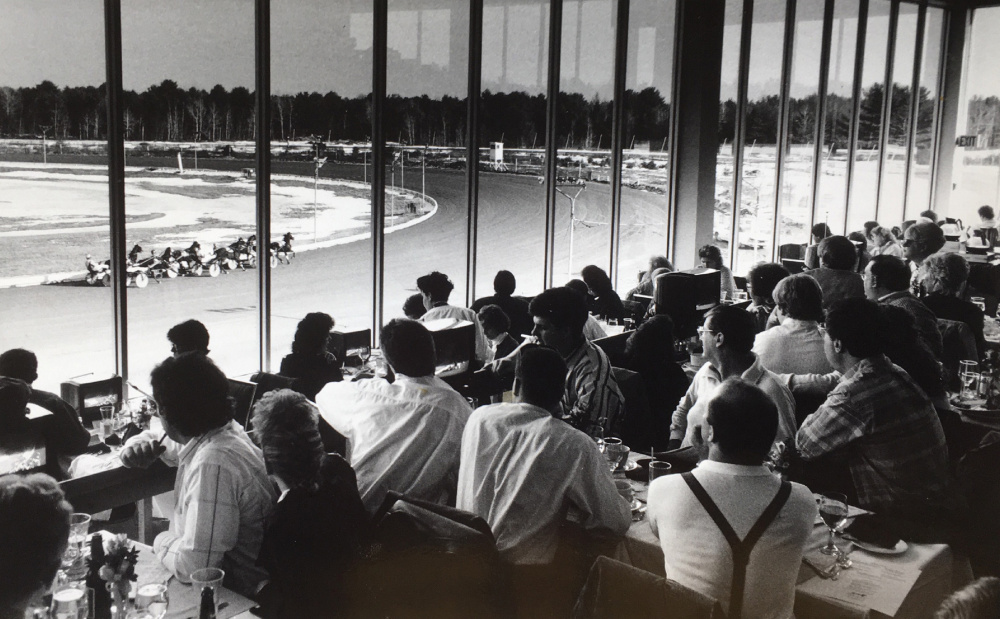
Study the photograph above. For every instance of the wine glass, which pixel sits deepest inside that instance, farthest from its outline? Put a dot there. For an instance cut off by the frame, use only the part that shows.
(152, 599)
(365, 353)
(833, 511)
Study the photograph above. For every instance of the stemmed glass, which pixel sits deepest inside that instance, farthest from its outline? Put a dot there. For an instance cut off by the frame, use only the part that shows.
(365, 353)
(833, 511)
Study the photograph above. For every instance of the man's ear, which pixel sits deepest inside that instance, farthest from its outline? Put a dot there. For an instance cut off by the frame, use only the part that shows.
(720, 339)
(838, 346)
(709, 433)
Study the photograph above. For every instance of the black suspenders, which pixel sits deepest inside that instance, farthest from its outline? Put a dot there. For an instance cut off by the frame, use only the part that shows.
(741, 549)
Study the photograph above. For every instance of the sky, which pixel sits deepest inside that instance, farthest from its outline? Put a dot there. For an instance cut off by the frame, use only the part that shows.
(322, 45)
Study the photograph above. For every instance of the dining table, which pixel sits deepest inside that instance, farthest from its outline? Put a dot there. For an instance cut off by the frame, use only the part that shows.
(910, 584)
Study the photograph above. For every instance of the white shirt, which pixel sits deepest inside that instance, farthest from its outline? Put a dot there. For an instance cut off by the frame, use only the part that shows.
(592, 329)
(224, 497)
(793, 347)
(697, 555)
(524, 472)
(404, 436)
(461, 313)
(692, 410)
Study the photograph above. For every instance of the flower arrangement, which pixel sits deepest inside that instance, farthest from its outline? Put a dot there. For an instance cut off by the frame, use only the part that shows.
(111, 572)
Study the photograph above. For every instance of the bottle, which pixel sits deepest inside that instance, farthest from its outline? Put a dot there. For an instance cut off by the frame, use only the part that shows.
(207, 609)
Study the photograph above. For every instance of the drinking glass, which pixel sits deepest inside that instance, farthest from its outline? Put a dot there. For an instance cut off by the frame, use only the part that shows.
(658, 468)
(69, 603)
(629, 324)
(152, 599)
(833, 511)
(613, 450)
(966, 368)
(79, 524)
(106, 424)
(741, 296)
(208, 578)
(970, 385)
(365, 353)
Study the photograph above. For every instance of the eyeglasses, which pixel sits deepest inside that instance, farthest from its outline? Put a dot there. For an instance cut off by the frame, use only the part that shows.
(703, 331)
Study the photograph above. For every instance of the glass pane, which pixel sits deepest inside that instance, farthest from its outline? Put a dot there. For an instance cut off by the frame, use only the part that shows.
(511, 232)
(646, 161)
(890, 208)
(831, 196)
(976, 179)
(320, 165)
(583, 183)
(54, 189)
(795, 199)
(188, 69)
(425, 127)
(918, 193)
(865, 178)
(756, 220)
(725, 164)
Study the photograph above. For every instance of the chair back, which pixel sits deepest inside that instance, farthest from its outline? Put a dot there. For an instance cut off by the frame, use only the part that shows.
(613, 345)
(958, 344)
(637, 426)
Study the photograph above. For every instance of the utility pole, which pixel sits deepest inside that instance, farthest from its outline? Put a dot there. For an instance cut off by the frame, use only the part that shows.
(45, 147)
(318, 163)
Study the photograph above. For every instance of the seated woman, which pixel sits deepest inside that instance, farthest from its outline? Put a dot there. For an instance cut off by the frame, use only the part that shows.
(319, 525)
(649, 352)
(605, 302)
(796, 345)
(944, 278)
(885, 243)
(34, 530)
(310, 362)
(761, 280)
(711, 258)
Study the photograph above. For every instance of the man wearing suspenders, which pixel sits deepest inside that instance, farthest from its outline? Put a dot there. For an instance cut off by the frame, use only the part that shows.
(731, 529)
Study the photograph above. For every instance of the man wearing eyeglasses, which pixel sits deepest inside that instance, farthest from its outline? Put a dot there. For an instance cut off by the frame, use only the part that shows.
(727, 338)
(887, 281)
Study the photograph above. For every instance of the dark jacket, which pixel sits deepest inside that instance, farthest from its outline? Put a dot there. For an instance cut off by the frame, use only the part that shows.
(311, 542)
(952, 308)
(515, 308)
(311, 371)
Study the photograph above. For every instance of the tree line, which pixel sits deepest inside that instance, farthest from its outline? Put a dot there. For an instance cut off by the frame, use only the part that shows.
(167, 112)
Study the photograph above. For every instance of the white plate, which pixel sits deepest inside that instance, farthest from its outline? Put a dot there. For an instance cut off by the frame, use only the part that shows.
(631, 465)
(898, 549)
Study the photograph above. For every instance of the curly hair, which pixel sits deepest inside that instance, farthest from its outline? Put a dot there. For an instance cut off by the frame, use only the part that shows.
(711, 253)
(34, 530)
(287, 430)
(944, 273)
(435, 284)
(312, 332)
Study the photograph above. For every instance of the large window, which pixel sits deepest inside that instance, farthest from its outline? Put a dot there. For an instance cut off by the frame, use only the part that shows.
(321, 66)
(726, 169)
(918, 190)
(646, 137)
(54, 189)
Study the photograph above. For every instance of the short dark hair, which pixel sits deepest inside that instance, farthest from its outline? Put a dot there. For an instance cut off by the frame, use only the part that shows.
(312, 332)
(192, 394)
(890, 272)
(494, 318)
(800, 297)
(986, 212)
(562, 307)
(504, 283)
(413, 306)
(596, 279)
(710, 252)
(736, 324)
(856, 323)
(34, 530)
(541, 375)
(578, 286)
(869, 226)
(764, 276)
(19, 363)
(928, 236)
(189, 336)
(929, 215)
(744, 419)
(436, 285)
(287, 429)
(858, 238)
(837, 252)
(821, 231)
(408, 347)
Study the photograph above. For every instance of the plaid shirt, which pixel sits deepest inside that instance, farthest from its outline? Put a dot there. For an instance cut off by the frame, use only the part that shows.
(889, 431)
(592, 394)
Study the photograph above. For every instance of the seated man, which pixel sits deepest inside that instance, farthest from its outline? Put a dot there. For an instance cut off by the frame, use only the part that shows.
(34, 530)
(67, 436)
(403, 436)
(836, 274)
(591, 396)
(522, 468)
(188, 336)
(223, 493)
(435, 289)
(887, 281)
(878, 419)
(496, 325)
(515, 308)
(696, 515)
(727, 338)
(944, 277)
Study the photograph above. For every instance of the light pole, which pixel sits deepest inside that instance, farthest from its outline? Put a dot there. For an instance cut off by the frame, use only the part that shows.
(318, 163)
(45, 148)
